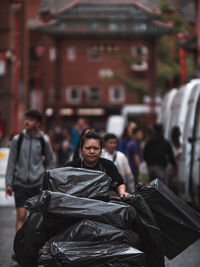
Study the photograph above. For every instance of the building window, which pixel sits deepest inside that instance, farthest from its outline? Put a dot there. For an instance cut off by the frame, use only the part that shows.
(52, 54)
(73, 94)
(94, 54)
(36, 99)
(71, 53)
(93, 94)
(106, 73)
(95, 51)
(140, 27)
(139, 50)
(140, 57)
(94, 26)
(113, 27)
(116, 94)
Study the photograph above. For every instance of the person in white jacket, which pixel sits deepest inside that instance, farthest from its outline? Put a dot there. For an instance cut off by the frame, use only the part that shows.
(119, 159)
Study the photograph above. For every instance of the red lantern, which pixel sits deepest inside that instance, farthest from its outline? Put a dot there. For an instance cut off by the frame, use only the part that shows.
(182, 55)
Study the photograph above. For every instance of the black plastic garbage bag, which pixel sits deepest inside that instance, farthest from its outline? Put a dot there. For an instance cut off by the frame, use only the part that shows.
(63, 208)
(78, 182)
(87, 230)
(150, 234)
(90, 254)
(29, 239)
(179, 223)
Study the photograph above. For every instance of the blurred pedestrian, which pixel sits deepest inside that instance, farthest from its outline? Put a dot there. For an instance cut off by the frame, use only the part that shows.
(30, 154)
(177, 149)
(76, 131)
(126, 137)
(119, 159)
(158, 153)
(135, 155)
(176, 141)
(64, 149)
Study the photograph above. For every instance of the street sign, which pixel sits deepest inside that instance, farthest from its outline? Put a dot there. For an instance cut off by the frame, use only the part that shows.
(4, 153)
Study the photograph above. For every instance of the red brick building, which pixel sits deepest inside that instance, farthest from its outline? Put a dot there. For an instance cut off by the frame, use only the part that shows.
(15, 16)
(82, 58)
(83, 70)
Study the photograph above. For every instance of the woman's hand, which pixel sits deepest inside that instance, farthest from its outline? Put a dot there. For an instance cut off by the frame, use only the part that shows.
(121, 189)
(124, 194)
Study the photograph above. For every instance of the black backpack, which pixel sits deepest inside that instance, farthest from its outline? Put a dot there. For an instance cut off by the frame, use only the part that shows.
(19, 143)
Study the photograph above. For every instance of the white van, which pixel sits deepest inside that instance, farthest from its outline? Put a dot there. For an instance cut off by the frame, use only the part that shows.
(179, 108)
(137, 112)
(188, 164)
(194, 185)
(184, 113)
(165, 113)
(115, 124)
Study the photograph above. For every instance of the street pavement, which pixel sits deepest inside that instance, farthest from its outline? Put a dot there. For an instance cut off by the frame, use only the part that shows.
(7, 232)
(188, 258)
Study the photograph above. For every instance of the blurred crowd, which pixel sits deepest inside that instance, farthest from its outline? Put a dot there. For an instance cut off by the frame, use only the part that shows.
(140, 156)
(148, 155)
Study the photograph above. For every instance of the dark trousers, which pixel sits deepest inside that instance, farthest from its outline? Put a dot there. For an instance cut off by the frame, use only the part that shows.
(159, 172)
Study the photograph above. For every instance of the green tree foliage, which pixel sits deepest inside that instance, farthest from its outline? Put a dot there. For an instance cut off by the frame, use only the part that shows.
(168, 61)
(169, 69)
(133, 84)
(166, 6)
(130, 81)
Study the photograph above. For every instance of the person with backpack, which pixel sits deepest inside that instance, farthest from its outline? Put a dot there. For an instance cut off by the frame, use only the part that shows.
(158, 153)
(30, 154)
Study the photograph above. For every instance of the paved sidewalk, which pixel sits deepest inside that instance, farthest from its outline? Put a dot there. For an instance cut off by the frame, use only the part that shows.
(7, 233)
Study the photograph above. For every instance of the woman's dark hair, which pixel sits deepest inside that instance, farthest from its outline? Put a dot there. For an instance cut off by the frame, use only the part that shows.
(76, 151)
(109, 136)
(91, 135)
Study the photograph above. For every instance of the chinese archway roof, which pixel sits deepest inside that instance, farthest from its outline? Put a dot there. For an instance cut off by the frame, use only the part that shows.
(110, 18)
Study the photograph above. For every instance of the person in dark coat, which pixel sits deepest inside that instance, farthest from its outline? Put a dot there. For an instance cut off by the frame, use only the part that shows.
(158, 153)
